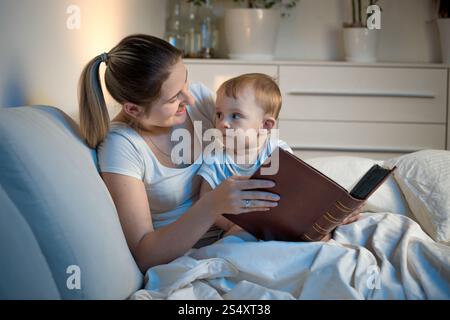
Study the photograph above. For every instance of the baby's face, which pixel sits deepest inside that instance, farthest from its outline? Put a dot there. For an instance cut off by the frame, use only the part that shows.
(242, 113)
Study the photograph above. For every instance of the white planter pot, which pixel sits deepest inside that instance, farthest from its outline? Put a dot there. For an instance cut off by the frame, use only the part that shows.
(360, 44)
(251, 34)
(444, 31)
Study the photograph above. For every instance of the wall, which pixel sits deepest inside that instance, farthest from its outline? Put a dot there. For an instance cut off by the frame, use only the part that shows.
(41, 59)
(407, 33)
(314, 31)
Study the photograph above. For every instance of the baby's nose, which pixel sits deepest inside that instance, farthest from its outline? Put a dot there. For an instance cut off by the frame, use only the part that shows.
(224, 124)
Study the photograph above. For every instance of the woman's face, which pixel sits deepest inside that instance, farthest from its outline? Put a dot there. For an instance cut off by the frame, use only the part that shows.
(170, 109)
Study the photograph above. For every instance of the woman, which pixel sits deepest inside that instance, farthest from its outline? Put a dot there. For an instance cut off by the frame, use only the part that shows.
(156, 199)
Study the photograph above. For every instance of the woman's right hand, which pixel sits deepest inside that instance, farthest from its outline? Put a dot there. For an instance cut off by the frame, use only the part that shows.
(236, 195)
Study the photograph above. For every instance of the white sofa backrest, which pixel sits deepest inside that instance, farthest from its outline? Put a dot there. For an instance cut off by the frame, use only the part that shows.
(58, 223)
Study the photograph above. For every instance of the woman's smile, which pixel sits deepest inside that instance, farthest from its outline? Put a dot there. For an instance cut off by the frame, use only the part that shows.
(181, 109)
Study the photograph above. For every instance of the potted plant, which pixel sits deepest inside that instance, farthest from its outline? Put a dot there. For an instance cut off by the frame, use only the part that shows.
(443, 21)
(360, 43)
(251, 29)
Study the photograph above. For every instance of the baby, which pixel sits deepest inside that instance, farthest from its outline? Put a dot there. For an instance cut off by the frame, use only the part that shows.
(247, 109)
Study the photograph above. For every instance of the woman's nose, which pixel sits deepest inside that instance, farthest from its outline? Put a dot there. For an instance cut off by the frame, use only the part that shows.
(187, 97)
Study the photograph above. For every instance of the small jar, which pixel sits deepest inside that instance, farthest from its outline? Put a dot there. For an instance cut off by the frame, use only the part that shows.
(174, 34)
(209, 32)
(192, 35)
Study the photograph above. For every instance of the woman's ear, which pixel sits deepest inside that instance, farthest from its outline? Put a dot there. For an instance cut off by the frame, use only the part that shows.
(269, 122)
(132, 110)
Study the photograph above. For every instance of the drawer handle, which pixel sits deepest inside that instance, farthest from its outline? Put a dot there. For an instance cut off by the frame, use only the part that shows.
(363, 94)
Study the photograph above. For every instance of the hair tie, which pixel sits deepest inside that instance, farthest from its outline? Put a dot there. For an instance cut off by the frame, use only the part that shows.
(104, 57)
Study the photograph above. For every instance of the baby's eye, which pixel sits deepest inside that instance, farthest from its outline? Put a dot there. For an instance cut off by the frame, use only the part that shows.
(218, 114)
(236, 116)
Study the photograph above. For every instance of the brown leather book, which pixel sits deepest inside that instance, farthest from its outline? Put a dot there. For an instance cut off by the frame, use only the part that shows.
(311, 205)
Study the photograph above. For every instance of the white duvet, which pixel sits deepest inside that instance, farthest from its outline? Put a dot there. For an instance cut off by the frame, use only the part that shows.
(381, 256)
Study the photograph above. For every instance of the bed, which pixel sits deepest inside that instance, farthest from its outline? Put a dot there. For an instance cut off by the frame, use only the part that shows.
(399, 249)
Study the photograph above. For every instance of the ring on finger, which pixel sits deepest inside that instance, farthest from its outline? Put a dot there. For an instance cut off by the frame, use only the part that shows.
(247, 203)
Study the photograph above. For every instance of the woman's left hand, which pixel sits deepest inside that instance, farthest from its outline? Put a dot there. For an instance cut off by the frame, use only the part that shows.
(233, 230)
(353, 217)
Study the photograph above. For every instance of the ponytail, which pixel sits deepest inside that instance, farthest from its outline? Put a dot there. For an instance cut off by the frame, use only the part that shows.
(94, 117)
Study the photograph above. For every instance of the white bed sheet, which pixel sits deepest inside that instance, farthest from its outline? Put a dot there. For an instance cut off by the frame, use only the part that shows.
(381, 256)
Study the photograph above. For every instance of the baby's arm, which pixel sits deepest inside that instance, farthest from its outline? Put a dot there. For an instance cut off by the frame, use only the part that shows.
(222, 222)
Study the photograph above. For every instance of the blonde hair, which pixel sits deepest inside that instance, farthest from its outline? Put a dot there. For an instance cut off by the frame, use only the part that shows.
(267, 92)
(136, 68)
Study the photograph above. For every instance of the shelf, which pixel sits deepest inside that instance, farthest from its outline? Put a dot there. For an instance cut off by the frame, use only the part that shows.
(319, 63)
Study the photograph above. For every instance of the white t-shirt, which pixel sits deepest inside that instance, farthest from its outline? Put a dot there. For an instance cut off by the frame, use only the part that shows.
(171, 191)
(218, 167)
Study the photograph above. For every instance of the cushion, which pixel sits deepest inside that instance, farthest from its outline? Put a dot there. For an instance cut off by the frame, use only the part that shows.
(424, 178)
(347, 171)
(54, 198)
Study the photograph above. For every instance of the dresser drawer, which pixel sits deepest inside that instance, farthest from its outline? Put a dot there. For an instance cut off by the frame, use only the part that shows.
(363, 94)
(213, 75)
(362, 136)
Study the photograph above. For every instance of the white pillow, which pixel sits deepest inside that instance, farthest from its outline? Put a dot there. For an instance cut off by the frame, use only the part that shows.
(424, 178)
(347, 171)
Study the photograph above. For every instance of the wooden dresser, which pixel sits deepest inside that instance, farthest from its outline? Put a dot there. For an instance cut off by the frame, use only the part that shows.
(338, 108)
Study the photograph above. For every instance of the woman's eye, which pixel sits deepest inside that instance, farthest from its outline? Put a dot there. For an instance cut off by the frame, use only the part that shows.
(174, 100)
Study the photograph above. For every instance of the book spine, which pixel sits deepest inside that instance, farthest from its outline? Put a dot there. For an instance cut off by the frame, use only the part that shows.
(332, 218)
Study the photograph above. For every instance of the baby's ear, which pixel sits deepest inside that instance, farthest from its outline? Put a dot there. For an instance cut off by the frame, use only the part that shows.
(269, 122)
